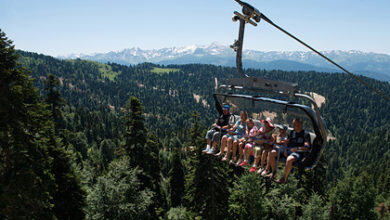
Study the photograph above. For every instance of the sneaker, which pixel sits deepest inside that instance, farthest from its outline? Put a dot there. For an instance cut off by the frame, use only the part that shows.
(218, 154)
(243, 163)
(260, 171)
(231, 162)
(253, 169)
(212, 151)
(206, 150)
(224, 159)
(239, 162)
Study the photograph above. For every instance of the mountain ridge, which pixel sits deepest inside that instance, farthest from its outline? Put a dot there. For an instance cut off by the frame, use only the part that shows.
(368, 64)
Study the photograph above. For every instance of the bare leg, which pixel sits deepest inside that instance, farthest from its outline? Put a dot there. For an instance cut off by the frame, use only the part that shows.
(247, 152)
(240, 149)
(257, 158)
(263, 158)
(272, 160)
(229, 148)
(214, 144)
(223, 145)
(287, 169)
(235, 143)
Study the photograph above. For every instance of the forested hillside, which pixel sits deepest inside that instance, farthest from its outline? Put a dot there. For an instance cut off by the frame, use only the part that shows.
(132, 138)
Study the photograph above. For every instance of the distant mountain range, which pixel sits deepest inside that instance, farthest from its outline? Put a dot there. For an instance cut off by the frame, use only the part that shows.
(368, 64)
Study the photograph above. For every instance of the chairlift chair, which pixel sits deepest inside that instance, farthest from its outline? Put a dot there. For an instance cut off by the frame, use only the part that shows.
(253, 89)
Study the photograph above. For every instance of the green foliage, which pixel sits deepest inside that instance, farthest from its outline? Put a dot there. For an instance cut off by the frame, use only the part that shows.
(54, 100)
(92, 126)
(247, 198)
(37, 178)
(164, 70)
(68, 197)
(25, 176)
(136, 131)
(178, 213)
(352, 198)
(283, 200)
(142, 150)
(315, 209)
(207, 184)
(119, 194)
(107, 72)
(176, 179)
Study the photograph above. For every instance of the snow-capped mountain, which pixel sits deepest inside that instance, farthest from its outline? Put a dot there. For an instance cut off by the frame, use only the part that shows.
(370, 64)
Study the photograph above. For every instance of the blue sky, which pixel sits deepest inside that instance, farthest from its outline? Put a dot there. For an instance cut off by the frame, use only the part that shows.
(85, 26)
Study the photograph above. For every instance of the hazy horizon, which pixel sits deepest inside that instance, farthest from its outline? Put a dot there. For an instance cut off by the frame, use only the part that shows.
(205, 45)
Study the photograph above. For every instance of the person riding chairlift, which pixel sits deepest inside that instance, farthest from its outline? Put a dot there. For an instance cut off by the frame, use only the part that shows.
(298, 144)
(280, 140)
(251, 133)
(234, 136)
(220, 127)
(265, 139)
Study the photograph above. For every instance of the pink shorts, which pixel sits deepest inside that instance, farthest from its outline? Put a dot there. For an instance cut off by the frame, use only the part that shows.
(249, 146)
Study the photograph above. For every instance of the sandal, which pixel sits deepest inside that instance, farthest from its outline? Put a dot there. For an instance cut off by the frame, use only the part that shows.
(281, 181)
(260, 170)
(264, 173)
(271, 176)
(253, 169)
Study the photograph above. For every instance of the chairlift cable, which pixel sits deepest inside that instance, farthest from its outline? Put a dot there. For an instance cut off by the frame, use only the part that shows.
(325, 57)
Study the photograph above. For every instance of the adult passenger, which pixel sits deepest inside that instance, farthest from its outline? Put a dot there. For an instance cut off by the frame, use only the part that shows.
(298, 144)
(220, 127)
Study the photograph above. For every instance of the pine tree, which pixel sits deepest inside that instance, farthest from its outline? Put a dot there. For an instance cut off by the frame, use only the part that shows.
(315, 208)
(136, 122)
(25, 165)
(54, 100)
(248, 198)
(176, 178)
(352, 198)
(207, 184)
(153, 171)
(35, 174)
(119, 194)
(68, 196)
(143, 150)
(136, 133)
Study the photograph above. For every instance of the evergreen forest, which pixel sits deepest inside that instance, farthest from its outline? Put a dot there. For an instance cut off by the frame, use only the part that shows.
(87, 140)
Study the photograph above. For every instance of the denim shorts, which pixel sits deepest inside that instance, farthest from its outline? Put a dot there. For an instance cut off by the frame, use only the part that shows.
(213, 135)
(298, 156)
(235, 137)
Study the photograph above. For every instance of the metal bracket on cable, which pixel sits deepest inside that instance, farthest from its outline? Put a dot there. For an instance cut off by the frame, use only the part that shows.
(249, 15)
(250, 12)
